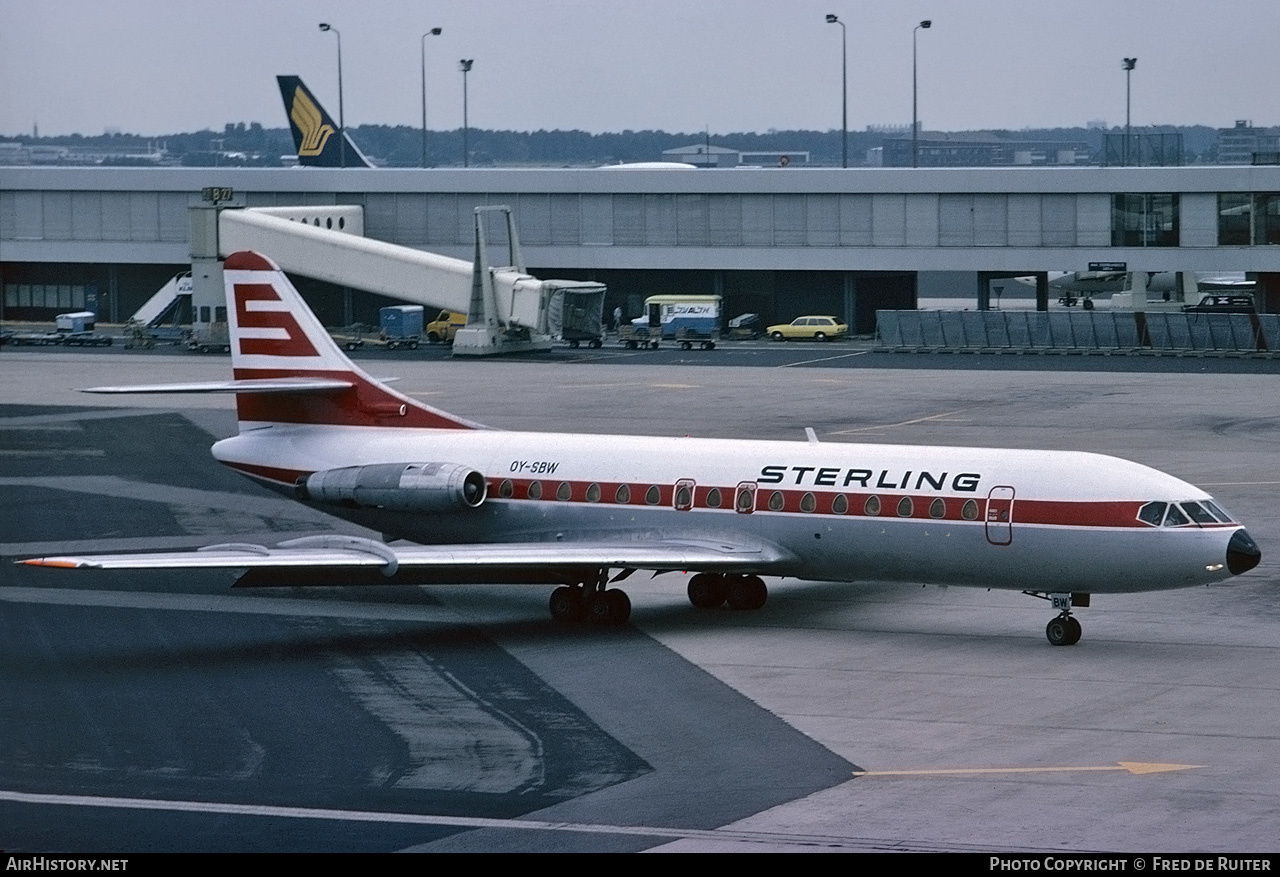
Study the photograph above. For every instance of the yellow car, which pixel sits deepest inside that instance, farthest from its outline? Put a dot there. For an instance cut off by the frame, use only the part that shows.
(445, 326)
(816, 328)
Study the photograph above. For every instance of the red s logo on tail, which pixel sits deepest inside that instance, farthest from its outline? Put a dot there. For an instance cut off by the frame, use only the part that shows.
(295, 343)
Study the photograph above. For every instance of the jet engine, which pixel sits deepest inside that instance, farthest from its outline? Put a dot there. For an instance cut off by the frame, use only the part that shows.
(404, 487)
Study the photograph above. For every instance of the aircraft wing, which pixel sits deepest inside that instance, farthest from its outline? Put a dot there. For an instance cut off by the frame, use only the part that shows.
(352, 552)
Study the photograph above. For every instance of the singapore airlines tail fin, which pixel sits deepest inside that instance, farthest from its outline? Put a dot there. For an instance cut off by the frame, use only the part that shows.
(315, 134)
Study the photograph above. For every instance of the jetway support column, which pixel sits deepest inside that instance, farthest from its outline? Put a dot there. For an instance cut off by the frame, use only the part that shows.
(850, 301)
(1042, 290)
(208, 293)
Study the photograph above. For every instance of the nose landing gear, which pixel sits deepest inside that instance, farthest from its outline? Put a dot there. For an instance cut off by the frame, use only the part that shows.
(1064, 630)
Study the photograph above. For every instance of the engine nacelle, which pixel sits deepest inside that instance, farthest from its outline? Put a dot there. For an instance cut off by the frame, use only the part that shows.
(402, 487)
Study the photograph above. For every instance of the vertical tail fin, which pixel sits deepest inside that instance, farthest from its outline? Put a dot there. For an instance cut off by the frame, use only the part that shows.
(315, 135)
(274, 335)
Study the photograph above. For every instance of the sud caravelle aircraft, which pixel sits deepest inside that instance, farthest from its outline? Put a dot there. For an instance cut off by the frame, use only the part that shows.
(458, 502)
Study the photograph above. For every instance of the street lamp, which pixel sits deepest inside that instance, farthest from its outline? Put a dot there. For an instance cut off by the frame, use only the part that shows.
(844, 91)
(915, 125)
(434, 32)
(465, 66)
(1128, 64)
(342, 125)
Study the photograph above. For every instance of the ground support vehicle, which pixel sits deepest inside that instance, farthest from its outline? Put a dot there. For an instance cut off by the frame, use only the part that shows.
(209, 337)
(687, 338)
(85, 339)
(400, 326)
(745, 327)
(637, 337)
(36, 339)
(349, 337)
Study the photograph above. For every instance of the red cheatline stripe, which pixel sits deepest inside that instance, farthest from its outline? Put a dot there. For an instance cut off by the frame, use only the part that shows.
(271, 473)
(1025, 511)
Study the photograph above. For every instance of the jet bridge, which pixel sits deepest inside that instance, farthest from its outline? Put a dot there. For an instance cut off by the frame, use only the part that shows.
(507, 308)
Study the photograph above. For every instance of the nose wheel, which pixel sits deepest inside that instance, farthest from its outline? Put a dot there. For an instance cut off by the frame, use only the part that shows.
(1064, 630)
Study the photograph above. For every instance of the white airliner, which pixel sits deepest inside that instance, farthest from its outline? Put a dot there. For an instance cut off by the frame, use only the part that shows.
(461, 502)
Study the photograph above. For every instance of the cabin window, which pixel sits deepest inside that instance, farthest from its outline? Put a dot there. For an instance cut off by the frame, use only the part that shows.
(873, 505)
(506, 489)
(905, 507)
(535, 490)
(713, 498)
(653, 495)
(840, 504)
(937, 508)
(623, 496)
(593, 492)
(1152, 513)
(1175, 517)
(970, 510)
(564, 492)
(745, 501)
(808, 502)
(777, 501)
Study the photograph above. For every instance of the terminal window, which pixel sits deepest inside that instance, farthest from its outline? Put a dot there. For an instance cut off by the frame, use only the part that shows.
(1248, 219)
(1144, 220)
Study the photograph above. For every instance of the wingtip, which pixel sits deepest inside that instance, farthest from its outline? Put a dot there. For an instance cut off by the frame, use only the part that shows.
(58, 562)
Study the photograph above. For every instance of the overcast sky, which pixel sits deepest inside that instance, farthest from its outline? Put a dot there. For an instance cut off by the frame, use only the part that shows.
(164, 66)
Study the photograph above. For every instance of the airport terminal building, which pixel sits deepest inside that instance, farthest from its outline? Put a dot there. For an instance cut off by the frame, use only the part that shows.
(778, 242)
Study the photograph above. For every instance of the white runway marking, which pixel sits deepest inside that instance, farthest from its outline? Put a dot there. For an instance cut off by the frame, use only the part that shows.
(824, 359)
(462, 822)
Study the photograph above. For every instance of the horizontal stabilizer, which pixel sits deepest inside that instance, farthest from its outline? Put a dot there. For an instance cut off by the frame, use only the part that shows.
(253, 385)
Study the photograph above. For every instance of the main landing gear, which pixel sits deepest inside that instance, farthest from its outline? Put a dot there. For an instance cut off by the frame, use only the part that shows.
(1064, 630)
(592, 602)
(710, 591)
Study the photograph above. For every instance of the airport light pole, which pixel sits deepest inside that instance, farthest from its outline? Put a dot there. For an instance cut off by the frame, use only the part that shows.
(465, 66)
(1128, 64)
(915, 124)
(844, 91)
(434, 32)
(342, 123)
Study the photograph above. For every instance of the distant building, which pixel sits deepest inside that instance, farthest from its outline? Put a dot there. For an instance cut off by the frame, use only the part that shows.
(966, 150)
(1239, 144)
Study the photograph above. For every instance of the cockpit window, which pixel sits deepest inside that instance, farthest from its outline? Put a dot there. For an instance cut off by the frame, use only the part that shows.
(1175, 518)
(1198, 514)
(1152, 513)
(1217, 511)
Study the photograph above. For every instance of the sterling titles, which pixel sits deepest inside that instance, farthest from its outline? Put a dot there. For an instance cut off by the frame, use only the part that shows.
(885, 479)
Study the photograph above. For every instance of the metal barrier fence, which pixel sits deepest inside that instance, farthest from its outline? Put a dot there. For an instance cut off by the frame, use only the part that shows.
(1078, 330)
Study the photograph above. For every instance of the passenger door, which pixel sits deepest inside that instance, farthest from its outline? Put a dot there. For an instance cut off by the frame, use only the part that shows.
(1000, 515)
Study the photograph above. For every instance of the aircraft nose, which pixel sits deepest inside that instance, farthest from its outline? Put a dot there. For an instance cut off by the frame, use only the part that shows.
(1243, 553)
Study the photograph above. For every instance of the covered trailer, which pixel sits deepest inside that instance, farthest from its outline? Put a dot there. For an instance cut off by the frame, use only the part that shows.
(80, 321)
(575, 311)
(400, 325)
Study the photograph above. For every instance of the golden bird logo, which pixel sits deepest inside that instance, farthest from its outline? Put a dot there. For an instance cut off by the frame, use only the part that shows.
(307, 116)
